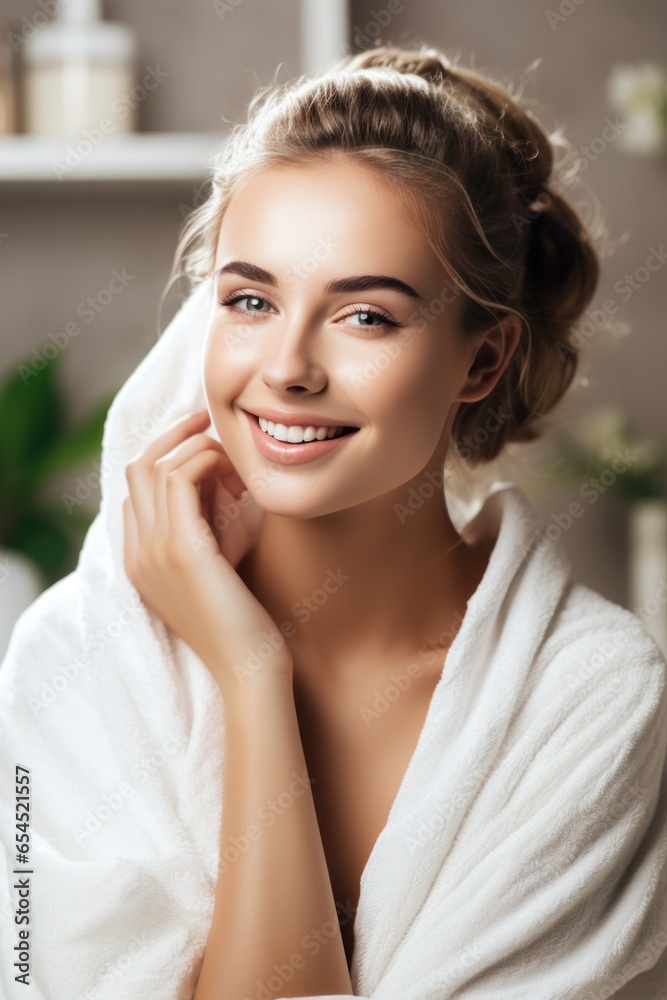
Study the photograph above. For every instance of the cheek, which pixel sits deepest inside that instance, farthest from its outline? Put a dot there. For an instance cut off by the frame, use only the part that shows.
(408, 402)
(224, 370)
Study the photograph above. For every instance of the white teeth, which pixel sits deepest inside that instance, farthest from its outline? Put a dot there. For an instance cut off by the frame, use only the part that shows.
(296, 434)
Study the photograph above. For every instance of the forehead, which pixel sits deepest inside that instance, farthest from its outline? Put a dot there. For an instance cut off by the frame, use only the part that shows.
(343, 213)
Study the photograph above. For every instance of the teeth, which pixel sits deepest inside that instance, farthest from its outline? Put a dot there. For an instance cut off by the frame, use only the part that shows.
(296, 434)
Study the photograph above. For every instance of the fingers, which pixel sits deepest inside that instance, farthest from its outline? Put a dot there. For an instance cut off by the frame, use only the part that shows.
(164, 466)
(181, 430)
(150, 473)
(139, 472)
(184, 507)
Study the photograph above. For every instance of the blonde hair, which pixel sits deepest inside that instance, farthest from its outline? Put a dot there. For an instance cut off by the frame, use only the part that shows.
(475, 169)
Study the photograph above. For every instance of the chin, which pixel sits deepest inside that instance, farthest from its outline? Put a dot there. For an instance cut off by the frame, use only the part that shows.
(293, 500)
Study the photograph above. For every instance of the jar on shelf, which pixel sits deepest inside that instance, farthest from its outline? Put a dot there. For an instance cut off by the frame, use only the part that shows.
(76, 70)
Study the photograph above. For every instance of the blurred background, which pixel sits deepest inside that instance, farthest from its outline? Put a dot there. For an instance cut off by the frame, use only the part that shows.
(108, 114)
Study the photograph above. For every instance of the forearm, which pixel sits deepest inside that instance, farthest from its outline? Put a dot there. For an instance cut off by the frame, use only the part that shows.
(274, 921)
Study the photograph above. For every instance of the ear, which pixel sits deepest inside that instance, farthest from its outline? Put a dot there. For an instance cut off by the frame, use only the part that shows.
(492, 351)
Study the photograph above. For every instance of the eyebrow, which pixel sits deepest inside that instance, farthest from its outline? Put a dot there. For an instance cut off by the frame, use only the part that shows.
(358, 283)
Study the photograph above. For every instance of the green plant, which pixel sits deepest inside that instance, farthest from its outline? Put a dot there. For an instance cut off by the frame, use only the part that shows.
(36, 445)
(590, 450)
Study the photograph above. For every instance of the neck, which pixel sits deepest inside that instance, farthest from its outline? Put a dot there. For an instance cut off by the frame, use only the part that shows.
(377, 579)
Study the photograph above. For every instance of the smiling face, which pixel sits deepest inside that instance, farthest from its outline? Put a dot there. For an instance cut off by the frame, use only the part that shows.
(297, 335)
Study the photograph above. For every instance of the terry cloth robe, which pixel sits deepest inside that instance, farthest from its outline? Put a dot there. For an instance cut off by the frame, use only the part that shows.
(523, 858)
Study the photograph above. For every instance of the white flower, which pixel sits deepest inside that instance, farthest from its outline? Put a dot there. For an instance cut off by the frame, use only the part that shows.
(645, 132)
(639, 92)
(631, 87)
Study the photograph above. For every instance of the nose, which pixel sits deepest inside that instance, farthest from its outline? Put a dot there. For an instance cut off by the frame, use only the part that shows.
(289, 362)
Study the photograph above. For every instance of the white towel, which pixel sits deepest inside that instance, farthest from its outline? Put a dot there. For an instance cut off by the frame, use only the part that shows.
(524, 857)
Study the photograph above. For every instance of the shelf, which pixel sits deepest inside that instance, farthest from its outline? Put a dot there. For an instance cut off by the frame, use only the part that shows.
(134, 158)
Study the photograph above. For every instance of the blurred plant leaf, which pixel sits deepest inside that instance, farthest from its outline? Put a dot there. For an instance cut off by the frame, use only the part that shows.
(48, 545)
(81, 444)
(31, 415)
(35, 447)
(76, 520)
(643, 479)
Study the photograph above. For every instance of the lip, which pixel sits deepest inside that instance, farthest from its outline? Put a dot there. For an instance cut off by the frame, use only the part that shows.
(292, 454)
(296, 419)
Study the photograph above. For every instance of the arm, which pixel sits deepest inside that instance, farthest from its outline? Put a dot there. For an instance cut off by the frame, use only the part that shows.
(274, 920)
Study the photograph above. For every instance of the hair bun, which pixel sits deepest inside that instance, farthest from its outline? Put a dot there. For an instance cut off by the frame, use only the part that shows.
(561, 265)
(527, 145)
(426, 62)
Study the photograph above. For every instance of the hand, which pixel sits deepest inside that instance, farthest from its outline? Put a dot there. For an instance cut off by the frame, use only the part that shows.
(177, 561)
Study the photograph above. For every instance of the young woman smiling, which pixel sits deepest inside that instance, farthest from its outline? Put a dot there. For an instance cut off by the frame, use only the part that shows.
(340, 374)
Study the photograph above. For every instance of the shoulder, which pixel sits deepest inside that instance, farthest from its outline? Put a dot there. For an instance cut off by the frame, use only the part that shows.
(599, 657)
(590, 624)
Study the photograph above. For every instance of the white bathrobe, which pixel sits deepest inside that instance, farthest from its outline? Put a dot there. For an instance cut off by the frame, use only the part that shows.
(525, 854)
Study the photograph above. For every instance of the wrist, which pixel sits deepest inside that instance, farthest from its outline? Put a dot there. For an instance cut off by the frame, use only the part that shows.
(247, 685)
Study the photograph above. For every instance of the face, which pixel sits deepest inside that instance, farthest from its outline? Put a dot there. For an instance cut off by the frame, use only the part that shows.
(293, 329)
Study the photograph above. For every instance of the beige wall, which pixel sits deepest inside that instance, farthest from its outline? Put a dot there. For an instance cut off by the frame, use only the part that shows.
(62, 246)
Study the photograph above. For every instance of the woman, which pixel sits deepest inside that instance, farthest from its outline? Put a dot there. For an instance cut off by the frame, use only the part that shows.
(432, 784)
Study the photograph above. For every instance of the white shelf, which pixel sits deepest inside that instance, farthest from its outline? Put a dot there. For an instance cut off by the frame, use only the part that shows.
(134, 157)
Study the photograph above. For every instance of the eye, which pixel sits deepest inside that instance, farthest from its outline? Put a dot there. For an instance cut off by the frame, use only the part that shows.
(232, 300)
(385, 320)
